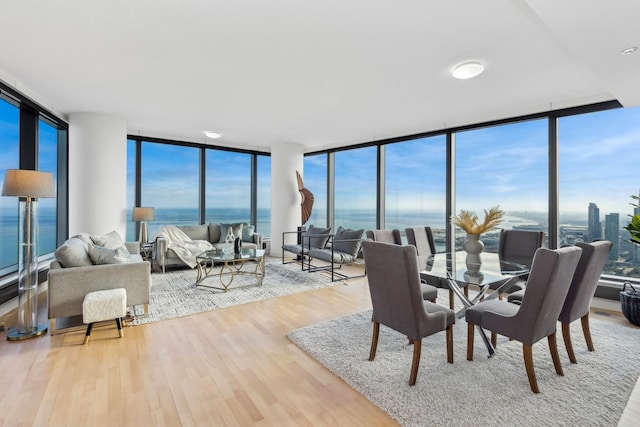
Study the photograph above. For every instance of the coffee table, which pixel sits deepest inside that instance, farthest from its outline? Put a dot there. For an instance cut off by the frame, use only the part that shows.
(248, 262)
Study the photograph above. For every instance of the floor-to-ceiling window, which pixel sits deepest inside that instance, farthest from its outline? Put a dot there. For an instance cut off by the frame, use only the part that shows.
(47, 162)
(263, 202)
(10, 159)
(356, 188)
(228, 187)
(506, 166)
(598, 159)
(416, 186)
(131, 190)
(170, 184)
(315, 180)
(166, 175)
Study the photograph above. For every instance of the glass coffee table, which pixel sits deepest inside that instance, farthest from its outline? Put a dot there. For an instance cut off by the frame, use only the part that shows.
(248, 262)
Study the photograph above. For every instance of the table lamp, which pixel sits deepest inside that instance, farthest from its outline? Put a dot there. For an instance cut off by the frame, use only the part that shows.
(28, 185)
(143, 215)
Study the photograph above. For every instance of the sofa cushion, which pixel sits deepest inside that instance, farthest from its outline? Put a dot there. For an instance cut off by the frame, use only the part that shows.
(196, 232)
(348, 241)
(73, 253)
(101, 255)
(214, 233)
(315, 242)
(236, 229)
(110, 240)
(247, 232)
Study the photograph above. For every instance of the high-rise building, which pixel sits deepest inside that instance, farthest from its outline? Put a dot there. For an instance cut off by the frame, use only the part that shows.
(595, 228)
(612, 233)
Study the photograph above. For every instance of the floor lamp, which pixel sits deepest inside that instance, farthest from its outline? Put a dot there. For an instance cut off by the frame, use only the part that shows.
(143, 215)
(28, 185)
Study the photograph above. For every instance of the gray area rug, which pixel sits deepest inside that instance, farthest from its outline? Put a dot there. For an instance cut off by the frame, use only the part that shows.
(173, 294)
(487, 392)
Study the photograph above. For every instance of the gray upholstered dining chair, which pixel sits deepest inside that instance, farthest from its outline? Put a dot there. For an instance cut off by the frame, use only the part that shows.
(394, 285)
(519, 246)
(583, 287)
(429, 293)
(422, 239)
(536, 318)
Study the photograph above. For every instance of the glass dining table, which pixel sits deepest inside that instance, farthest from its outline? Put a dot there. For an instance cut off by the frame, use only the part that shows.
(458, 270)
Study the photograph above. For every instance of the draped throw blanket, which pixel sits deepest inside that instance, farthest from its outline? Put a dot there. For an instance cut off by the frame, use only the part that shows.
(185, 248)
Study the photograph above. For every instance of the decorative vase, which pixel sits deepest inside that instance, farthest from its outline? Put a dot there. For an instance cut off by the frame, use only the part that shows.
(237, 246)
(229, 238)
(473, 246)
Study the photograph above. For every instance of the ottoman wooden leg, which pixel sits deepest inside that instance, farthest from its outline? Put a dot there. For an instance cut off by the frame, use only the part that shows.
(88, 333)
(119, 323)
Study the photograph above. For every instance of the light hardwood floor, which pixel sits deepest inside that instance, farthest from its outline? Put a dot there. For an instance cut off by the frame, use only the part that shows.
(231, 367)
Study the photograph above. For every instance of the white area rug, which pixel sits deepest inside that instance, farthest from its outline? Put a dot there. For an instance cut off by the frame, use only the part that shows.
(173, 294)
(486, 392)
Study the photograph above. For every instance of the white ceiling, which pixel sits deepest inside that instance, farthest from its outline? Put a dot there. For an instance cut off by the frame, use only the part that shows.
(321, 73)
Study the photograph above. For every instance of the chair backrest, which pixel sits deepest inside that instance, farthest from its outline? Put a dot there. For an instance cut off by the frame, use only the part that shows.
(549, 280)
(394, 285)
(519, 246)
(422, 239)
(387, 236)
(585, 280)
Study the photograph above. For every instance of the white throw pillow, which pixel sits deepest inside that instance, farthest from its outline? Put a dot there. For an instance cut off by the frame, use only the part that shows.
(101, 255)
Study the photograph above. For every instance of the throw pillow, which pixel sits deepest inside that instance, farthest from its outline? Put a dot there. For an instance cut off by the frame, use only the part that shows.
(348, 241)
(73, 253)
(236, 229)
(101, 255)
(315, 242)
(110, 240)
(247, 232)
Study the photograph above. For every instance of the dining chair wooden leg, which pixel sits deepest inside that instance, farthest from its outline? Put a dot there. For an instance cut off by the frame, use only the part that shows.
(587, 331)
(553, 347)
(374, 340)
(566, 336)
(494, 339)
(470, 331)
(417, 347)
(451, 299)
(450, 344)
(528, 364)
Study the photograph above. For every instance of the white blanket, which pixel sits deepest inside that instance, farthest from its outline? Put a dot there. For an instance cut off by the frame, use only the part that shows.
(185, 248)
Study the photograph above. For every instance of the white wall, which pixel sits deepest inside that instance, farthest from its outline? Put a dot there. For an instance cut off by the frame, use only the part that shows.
(286, 158)
(97, 173)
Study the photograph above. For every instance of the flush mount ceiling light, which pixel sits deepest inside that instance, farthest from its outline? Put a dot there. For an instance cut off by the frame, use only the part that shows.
(629, 50)
(467, 70)
(213, 135)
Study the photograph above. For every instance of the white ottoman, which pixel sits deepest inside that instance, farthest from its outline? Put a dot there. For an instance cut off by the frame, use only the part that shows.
(104, 305)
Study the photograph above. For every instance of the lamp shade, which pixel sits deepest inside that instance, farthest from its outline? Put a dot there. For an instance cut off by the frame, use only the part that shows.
(28, 183)
(144, 214)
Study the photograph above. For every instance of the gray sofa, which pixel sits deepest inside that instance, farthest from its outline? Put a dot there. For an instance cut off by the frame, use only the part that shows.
(73, 274)
(212, 233)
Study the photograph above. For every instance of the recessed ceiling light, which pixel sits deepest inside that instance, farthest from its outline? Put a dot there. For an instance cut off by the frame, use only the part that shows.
(214, 135)
(467, 70)
(629, 50)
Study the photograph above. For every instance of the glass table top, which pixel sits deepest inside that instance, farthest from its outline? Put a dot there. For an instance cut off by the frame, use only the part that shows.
(219, 255)
(489, 268)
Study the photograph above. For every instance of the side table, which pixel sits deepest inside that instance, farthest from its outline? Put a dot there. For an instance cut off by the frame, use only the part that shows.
(146, 251)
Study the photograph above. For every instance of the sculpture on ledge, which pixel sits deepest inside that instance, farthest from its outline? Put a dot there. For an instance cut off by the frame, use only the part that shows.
(307, 199)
